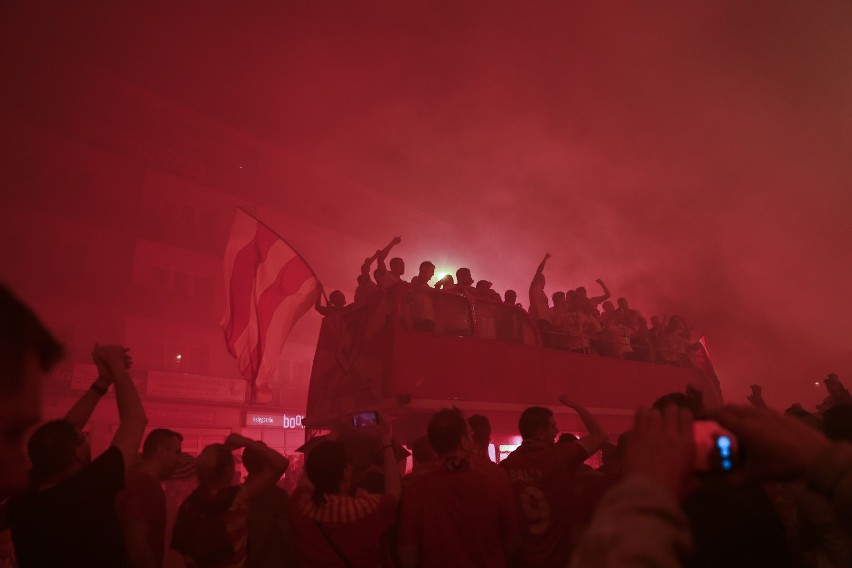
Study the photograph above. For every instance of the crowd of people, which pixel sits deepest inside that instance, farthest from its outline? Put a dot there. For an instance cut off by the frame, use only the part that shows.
(574, 321)
(789, 504)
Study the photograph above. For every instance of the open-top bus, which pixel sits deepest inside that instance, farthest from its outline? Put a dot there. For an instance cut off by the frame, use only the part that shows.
(411, 351)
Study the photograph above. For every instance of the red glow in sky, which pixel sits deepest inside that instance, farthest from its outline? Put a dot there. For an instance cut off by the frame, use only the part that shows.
(695, 157)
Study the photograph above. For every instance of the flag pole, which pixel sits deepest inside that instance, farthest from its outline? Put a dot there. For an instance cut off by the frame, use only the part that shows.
(274, 232)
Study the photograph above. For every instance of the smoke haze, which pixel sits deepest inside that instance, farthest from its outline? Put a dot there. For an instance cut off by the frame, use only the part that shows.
(694, 155)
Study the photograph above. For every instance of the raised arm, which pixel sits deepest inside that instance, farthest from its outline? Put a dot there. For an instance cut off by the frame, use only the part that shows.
(597, 436)
(393, 483)
(383, 254)
(131, 414)
(606, 294)
(323, 310)
(269, 476)
(365, 268)
(540, 268)
(80, 413)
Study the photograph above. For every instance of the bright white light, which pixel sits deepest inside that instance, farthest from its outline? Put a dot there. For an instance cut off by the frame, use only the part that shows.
(179, 357)
(817, 383)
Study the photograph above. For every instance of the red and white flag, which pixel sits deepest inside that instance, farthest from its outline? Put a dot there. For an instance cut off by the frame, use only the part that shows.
(268, 288)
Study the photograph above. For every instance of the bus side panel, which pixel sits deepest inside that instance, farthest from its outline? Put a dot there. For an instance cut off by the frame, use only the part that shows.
(429, 365)
(509, 372)
(349, 365)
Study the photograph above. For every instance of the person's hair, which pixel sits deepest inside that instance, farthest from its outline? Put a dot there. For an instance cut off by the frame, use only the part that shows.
(337, 294)
(567, 438)
(446, 429)
(421, 450)
(395, 260)
(837, 422)
(253, 460)
(558, 296)
(511, 293)
(426, 264)
(158, 438)
(324, 466)
(532, 420)
(678, 399)
(214, 463)
(22, 334)
(481, 428)
(52, 449)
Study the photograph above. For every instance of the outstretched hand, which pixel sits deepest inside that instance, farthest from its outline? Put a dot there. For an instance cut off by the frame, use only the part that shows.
(236, 441)
(662, 448)
(111, 360)
(779, 447)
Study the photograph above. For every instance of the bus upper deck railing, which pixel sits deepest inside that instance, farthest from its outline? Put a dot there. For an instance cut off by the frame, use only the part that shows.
(427, 310)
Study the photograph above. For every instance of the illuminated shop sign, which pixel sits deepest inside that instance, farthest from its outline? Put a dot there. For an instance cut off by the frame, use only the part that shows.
(293, 422)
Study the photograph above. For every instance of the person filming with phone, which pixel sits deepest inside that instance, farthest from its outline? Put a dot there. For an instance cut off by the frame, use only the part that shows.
(331, 526)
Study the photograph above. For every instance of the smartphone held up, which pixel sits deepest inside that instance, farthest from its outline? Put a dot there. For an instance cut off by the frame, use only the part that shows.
(717, 449)
(365, 419)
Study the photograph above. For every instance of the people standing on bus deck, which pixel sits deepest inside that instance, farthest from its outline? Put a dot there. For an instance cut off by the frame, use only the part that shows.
(539, 308)
(511, 297)
(366, 287)
(464, 283)
(336, 303)
(422, 309)
(386, 278)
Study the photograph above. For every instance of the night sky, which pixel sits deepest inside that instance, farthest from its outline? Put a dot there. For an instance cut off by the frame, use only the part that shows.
(694, 155)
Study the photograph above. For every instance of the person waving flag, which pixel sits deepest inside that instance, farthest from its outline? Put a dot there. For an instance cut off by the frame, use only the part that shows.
(268, 287)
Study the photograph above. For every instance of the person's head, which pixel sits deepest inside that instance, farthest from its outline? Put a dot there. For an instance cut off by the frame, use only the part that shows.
(537, 423)
(448, 432)
(581, 292)
(27, 351)
(510, 297)
(162, 448)
(57, 449)
(215, 466)
(447, 281)
(427, 271)
(622, 303)
(483, 286)
(397, 266)
(677, 399)
(422, 452)
(558, 298)
(328, 469)
(463, 277)
(655, 321)
(253, 461)
(480, 428)
(566, 438)
(608, 307)
(337, 299)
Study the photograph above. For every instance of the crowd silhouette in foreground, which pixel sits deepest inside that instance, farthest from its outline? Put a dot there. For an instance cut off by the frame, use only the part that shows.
(574, 321)
(790, 504)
